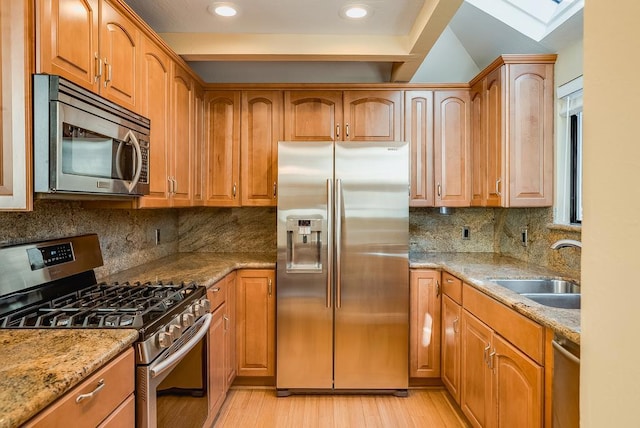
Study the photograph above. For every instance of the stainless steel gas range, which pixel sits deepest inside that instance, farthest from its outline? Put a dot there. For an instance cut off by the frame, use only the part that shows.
(52, 284)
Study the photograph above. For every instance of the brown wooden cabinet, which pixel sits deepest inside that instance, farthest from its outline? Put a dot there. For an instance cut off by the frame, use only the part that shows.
(181, 158)
(366, 115)
(424, 346)
(255, 334)
(451, 334)
(221, 342)
(373, 115)
(155, 93)
(222, 148)
(516, 117)
(502, 364)
(16, 50)
(419, 133)
(198, 159)
(91, 43)
(452, 148)
(113, 406)
(262, 128)
(312, 115)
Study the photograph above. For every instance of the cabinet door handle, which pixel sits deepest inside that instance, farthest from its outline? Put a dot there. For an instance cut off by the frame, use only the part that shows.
(455, 325)
(234, 190)
(275, 189)
(498, 186)
(346, 130)
(337, 131)
(486, 354)
(437, 288)
(270, 287)
(170, 182)
(439, 190)
(175, 185)
(98, 67)
(491, 356)
(89, 395)
(107, 68)
(226, 322)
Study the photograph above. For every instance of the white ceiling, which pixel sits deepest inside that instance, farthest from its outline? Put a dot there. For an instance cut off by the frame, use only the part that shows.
(282, 41)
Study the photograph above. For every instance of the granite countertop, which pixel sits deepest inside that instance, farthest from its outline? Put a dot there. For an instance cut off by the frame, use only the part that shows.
(203, 268)
(40, 365)
(476, 269)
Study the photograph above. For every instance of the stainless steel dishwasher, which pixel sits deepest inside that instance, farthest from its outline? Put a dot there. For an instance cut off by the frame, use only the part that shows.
(566, 383)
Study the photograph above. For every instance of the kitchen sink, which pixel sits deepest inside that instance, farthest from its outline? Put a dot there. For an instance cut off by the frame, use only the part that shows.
(565, 301)
(558, 293)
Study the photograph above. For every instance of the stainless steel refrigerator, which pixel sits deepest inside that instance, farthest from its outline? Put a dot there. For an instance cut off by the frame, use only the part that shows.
(342, 270)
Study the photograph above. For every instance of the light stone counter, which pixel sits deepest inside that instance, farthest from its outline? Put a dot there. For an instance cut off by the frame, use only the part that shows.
(203, 268)
(40, 365)
(476, 269)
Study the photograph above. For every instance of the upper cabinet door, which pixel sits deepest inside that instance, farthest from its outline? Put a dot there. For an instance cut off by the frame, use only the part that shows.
(373, 115)
(530, 135)
(155, 90)
(182, 137)
(68, 40)
(478, 139)
(312, 115)
(496, 144)
(16, 66)
(419, 134)
(119, 46)
(452, 148)
(222, 148)
(261, 131)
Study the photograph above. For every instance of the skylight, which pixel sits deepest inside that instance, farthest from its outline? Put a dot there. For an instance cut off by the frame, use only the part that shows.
(533, 18)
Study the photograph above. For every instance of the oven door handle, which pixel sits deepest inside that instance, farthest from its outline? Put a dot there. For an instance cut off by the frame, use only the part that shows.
(159, 368)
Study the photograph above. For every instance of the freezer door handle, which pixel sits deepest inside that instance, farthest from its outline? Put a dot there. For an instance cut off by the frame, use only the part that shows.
(329, 239)
(338, 242)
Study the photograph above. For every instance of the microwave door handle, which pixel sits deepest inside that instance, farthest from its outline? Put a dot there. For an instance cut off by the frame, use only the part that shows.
(131, 137)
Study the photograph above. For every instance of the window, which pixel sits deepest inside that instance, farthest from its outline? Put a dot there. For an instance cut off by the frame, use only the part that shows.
(568, 205)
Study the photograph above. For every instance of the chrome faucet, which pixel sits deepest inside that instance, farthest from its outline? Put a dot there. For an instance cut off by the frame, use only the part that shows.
(564, 243)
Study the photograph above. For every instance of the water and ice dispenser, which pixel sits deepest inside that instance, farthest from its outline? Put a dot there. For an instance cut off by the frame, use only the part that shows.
(304, 244)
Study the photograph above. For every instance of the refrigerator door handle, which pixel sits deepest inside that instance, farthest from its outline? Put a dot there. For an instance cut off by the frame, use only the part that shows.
(338, 242)
(329, 239)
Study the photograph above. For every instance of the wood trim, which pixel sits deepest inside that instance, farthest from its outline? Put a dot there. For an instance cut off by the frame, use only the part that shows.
(524, 333)
(514, 59)
(548, 379)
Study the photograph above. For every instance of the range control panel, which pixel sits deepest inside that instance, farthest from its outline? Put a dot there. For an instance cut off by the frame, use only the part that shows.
(42, 257)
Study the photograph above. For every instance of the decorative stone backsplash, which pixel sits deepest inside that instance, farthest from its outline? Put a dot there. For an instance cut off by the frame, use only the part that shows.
(224, 230)
(126, 236)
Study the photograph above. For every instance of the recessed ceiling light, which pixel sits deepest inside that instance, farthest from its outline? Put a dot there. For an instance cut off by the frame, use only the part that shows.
(354, 11)
(223, 9)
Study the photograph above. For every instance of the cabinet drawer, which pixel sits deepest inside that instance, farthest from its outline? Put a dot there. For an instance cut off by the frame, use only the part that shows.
(217, 293)
(118, 381)
(524, 333)
(452, 287)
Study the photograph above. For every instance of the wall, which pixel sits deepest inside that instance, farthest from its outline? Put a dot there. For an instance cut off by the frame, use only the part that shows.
(126, 236)
(569, 63)
(610, 372)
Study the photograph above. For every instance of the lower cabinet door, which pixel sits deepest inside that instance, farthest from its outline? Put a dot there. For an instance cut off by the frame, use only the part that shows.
(217, 375)
(476, 374)
(451, 329)
(518, 387)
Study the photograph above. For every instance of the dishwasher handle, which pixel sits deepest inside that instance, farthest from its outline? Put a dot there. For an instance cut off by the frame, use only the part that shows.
(565, 353)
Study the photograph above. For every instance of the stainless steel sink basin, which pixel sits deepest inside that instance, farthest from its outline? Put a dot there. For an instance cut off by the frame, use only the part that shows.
(539, 285)
(557, 293)
(565, 301)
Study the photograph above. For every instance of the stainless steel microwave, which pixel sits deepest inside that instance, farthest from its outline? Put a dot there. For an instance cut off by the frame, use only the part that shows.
(85, 144)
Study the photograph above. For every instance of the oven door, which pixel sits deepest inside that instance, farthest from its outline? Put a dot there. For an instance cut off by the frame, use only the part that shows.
(174, 385)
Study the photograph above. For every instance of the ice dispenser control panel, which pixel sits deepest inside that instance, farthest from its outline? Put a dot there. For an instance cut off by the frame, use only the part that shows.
(304, 244)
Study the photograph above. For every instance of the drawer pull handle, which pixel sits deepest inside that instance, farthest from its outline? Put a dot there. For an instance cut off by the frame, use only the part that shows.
(449, 280)
(89, 395)
(215, 289)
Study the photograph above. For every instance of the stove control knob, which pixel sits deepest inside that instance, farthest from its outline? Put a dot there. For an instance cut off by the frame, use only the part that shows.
(197, 309)
(187, 320)
(206, 305)
(175, 331)
(164, 339)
